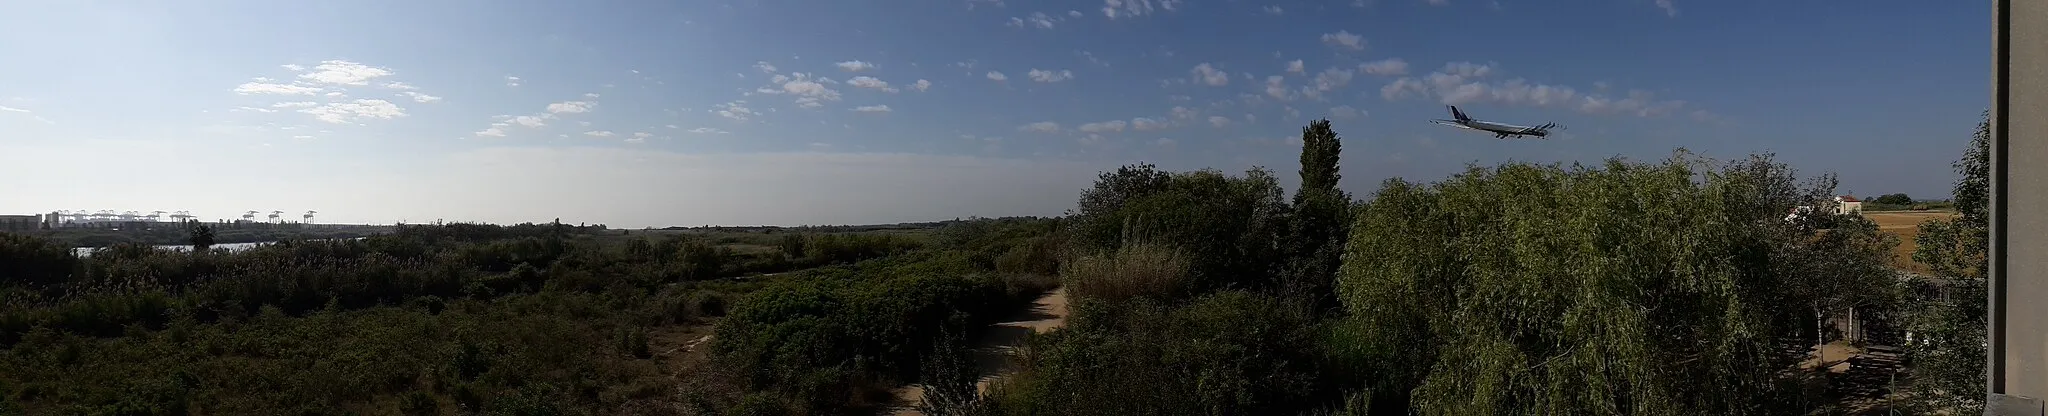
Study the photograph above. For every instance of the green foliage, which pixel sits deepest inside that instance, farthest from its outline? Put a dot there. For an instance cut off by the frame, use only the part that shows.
(1228, 227)
(1226, 353)
(476, 316)
(1316, 229)
(1947, 310)
(34, 261)
(824, 341)
(1893, 199)
(1629, 288)
(201, 239)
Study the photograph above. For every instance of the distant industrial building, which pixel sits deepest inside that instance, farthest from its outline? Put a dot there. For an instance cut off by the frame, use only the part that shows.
(17, 223)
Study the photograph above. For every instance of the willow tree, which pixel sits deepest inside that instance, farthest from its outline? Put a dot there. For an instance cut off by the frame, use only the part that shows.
(1624, 288)
(1948, 316)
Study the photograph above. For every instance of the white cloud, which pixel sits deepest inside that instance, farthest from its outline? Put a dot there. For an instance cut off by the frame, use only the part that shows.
(1276, 86)
(870, 83)
(1219, 121)
(1144, 124)
(855, 66)
(529, 121)
(295, 104)
(708, 130)
(922, 85)
(247, 108)
(1345, 112)
(1468, 69)
(343, 112)
(1103, 127)
(598, 133)
(1344, 39)
(1132, 8)
(1669, 8)
(420, 97)
(571, 107)
(809, 92)
(642, 135)
(736, 110)
(339, 72)
(1209, 75)
(1385, 67)
(511, 81)
(765, 67)
(1036, 19)
(1042, 75)
(1326, 81)
(1183, 113)
(1466, 83)
(997, 75)
(1164, 142)
(1275, 10)
(496, 130)
(1041, 127)
(292, 67)
(590, 95)
(1296, 67)
(872, 108)
(252, 88)
(401, 86)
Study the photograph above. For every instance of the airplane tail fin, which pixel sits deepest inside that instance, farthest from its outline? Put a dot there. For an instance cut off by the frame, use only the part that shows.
(1459, 115)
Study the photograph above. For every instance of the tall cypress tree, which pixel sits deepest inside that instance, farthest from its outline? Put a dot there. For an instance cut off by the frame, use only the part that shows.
(1320, 225)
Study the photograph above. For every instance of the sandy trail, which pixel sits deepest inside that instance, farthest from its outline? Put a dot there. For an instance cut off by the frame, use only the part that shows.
(993, 350)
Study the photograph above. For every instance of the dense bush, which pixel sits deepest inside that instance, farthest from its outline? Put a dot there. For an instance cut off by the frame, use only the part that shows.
(514, 318)
(828, 340)
(1228, 353)
(1640, 288)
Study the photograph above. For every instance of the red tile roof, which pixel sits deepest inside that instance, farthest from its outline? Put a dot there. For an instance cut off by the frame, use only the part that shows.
(1846, 198)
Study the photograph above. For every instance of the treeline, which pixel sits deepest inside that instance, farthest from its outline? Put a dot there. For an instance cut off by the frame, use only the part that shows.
(177, 234)
(429, 318)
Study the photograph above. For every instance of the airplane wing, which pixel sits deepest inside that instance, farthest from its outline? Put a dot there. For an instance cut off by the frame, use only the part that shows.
(1452, 124)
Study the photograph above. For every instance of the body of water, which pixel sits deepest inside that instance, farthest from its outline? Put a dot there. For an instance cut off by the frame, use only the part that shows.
(87, 251)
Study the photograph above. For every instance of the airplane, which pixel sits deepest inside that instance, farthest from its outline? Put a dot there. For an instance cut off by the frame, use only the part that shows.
(1499, 130)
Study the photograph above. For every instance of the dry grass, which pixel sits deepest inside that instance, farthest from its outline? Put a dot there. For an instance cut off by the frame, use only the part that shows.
(1136, 269)
(1905, 225)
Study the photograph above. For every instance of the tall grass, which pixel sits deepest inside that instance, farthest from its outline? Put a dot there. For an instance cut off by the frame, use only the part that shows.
(1133, 270)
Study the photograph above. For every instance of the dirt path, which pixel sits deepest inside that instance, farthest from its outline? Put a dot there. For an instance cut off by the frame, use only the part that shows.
(993, 350)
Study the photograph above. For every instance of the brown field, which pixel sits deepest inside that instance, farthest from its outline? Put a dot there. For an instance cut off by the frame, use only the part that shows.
(1906, 225)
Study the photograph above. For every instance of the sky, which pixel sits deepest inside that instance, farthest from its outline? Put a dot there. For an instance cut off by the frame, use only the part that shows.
(762, 112)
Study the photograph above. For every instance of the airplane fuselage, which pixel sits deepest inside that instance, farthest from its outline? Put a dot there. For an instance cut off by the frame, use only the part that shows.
(1499, 130)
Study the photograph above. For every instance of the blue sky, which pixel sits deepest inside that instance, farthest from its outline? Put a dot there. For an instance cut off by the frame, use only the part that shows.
(783, 112)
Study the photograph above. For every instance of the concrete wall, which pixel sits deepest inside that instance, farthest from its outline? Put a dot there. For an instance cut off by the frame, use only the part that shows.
(2018, 332)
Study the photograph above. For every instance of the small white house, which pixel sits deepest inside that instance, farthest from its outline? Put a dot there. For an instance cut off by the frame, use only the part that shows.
(1846, 204)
